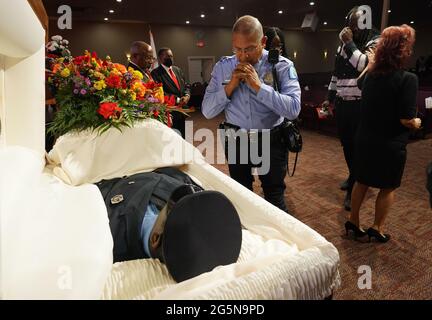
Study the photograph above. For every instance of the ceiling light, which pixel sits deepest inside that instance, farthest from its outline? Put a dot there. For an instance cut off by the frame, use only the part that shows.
(111, 11)
(187, 21)
(202, 15)
(280, 11)
(412, 22)
(222, 8)
(389, 11)
(325, 23)
(106, 19)
(119, 0)
(312, 3)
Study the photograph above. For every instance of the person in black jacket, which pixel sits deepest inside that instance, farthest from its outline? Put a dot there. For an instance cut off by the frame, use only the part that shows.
(141, 59)
(351, 60)
(174, 83)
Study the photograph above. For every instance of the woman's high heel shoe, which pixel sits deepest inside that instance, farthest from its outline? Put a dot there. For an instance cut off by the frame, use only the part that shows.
(358, 233)
(372, 233)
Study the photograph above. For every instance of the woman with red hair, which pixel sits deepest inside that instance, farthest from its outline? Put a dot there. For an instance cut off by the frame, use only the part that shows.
(388, 113)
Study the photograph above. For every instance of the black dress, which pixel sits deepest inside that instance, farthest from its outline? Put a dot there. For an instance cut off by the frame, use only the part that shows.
(380, 144)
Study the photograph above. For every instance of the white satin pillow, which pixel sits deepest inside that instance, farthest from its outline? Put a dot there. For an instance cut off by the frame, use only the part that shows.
(87, 157)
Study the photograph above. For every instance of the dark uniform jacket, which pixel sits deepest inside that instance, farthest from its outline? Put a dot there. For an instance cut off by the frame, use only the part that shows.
(127, 200)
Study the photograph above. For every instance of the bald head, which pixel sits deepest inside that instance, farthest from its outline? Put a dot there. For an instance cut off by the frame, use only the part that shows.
(248, 26)
(141, 54)
(248, 39)
(139, 46)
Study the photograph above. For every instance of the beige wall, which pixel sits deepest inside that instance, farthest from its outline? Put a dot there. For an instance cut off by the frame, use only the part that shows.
(115, 38)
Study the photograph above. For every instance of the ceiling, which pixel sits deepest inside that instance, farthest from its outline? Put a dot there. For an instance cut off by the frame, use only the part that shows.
(176, 12)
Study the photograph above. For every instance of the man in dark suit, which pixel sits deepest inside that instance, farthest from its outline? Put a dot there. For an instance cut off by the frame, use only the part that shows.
(174, 83)
(142, 59)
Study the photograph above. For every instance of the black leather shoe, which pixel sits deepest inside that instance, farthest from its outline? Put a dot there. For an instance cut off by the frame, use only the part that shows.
(372, 233)
(347, 202)
(344, 185)
(358, 233)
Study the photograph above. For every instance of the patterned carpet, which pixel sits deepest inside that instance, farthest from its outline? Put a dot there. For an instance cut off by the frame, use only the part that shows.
(401, 268)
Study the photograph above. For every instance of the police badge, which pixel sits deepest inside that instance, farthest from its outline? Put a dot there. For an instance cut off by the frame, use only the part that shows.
(268, 79)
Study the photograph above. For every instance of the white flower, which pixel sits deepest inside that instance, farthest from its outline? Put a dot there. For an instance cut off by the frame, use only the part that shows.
(65, 42)
(51, 48)
(57, 38)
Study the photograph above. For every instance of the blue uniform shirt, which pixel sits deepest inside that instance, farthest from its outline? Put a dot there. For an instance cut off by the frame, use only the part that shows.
(149, 220)
(246, 108)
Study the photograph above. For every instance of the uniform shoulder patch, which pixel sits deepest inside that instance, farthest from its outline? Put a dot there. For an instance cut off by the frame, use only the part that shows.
(292, 73)
(225, 59)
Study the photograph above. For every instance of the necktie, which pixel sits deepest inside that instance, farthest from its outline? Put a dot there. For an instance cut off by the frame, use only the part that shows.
(174, 78)
(148, 74)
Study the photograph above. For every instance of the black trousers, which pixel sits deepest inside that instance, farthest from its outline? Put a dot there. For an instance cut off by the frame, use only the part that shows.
(348, 119)
(179, 122)
(273, 183)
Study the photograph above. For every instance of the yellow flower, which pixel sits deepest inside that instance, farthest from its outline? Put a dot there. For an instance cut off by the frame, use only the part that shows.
(65, 73)
(138, 75)
(100, 85)
(158, 93)
(133, 95)
(99, 75)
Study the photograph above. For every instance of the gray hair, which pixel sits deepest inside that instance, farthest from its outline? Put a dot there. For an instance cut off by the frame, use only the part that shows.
(248, 26)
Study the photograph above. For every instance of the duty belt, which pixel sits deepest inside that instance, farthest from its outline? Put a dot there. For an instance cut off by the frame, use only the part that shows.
(252, 134)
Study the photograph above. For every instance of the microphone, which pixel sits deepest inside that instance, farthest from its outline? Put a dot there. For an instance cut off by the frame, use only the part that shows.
(273, 56)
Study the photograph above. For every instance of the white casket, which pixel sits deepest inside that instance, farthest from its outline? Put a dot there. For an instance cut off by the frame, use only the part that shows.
(55, 237)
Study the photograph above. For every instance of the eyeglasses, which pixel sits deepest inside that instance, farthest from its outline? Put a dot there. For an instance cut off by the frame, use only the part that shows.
(246, 50)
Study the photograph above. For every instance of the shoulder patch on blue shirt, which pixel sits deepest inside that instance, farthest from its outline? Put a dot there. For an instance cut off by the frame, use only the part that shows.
(225, 59)
(292, 73)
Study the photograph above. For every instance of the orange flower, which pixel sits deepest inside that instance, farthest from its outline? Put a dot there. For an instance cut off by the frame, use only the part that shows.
(139, 88)
(56, 68)
(120, 68)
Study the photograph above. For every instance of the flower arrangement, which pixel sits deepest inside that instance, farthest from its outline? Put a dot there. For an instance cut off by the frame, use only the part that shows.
(97, 94)
(58, 47)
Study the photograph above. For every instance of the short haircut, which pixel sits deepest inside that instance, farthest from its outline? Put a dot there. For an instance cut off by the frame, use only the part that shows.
(162, 50)
(248, 26)
(139, 46)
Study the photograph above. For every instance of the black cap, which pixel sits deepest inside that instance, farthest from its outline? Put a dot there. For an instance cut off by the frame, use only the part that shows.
(202, 231)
